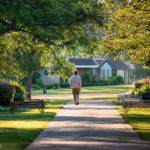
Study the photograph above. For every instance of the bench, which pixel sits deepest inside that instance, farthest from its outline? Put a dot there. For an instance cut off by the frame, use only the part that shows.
(127, 95)
(34, 103)
(134, 103)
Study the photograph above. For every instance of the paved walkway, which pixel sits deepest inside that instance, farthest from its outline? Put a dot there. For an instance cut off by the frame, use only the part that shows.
(83, 95)
(92, 125)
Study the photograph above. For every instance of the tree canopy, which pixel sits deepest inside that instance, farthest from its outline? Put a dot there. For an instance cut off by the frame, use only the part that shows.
(59, 24)
(127, 30)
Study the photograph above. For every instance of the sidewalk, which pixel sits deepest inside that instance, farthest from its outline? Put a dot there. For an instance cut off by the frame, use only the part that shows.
(83, 95)
(92, 125)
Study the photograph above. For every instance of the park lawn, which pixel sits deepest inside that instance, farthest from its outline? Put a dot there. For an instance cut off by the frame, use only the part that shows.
(138, 118)
(90, 89)
(19, 129)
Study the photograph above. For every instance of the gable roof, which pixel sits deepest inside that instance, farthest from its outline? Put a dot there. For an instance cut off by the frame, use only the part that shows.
(83, 63)
(117, 65)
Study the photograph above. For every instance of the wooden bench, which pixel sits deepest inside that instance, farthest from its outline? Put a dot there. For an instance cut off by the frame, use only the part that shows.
(127, 95)
(134, 103)
(34, 103)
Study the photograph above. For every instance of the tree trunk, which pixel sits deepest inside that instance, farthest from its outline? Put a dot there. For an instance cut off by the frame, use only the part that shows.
(29, 79)
(29, 84)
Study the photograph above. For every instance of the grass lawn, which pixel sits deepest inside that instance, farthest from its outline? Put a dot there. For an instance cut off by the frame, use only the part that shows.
(138, 118)
(92, 89)
(19, 129)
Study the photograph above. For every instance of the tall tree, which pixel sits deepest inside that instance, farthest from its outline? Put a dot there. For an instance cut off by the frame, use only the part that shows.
(27, 56)
(49, 19)
(63, 27)
(127, 31)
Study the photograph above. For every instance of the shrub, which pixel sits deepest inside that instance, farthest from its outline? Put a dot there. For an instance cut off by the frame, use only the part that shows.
(52, 86)
(35, 87)
(85, 78)
(6, 93)
(39, 82)
(55, 86)
(86, 84)
(19, 91)
(114, 80)
(104, 82)
(49, 86)
(119, 80)
(142, 90)
(64, 85)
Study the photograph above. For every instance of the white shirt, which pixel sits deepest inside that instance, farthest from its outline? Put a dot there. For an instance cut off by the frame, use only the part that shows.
(75, 82)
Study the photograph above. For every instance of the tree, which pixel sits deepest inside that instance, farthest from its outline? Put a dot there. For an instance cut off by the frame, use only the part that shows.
(49, 19)
(127, 30)
(62, 28)
(28, 55)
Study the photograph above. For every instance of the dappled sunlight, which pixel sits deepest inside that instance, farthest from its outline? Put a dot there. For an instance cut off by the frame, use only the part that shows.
(90, 125)
(138, 118)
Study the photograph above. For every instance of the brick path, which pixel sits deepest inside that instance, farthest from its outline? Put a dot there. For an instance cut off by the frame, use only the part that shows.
(92, 125)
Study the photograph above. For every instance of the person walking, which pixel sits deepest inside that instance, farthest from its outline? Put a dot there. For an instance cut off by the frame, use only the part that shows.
(76, 86)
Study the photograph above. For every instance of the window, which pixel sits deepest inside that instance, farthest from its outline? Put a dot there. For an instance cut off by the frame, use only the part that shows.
(105, 73)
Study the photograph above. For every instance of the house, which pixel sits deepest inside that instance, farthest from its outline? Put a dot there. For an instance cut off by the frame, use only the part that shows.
(101, 68)
(105, 67)
(48, 79)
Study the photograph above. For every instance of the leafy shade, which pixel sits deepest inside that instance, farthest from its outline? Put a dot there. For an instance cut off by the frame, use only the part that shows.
(127, 30)
(53, 21)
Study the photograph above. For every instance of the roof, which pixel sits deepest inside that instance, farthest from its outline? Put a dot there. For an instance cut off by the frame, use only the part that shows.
(83, 62)
(136, 66)
(117, 65)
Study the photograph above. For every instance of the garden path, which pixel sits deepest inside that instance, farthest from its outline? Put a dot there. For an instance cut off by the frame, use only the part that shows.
(89, 95)
(92, 125)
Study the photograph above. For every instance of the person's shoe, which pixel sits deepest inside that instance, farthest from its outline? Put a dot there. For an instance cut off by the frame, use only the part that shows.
(77, 103)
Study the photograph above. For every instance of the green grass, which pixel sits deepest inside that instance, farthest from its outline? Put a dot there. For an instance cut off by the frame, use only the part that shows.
(91, 89)
(138, 118)
(19, 129)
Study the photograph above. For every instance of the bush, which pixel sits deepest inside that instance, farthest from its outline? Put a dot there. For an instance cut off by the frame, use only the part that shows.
(50, 86)
(142, 90)
(55, 86)
(6, 93)
(40, 83)
(114, 80)
(64, 85)
(19, 91)
(104, 82)
(85, 78)
(119, 79)
(35, 87)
